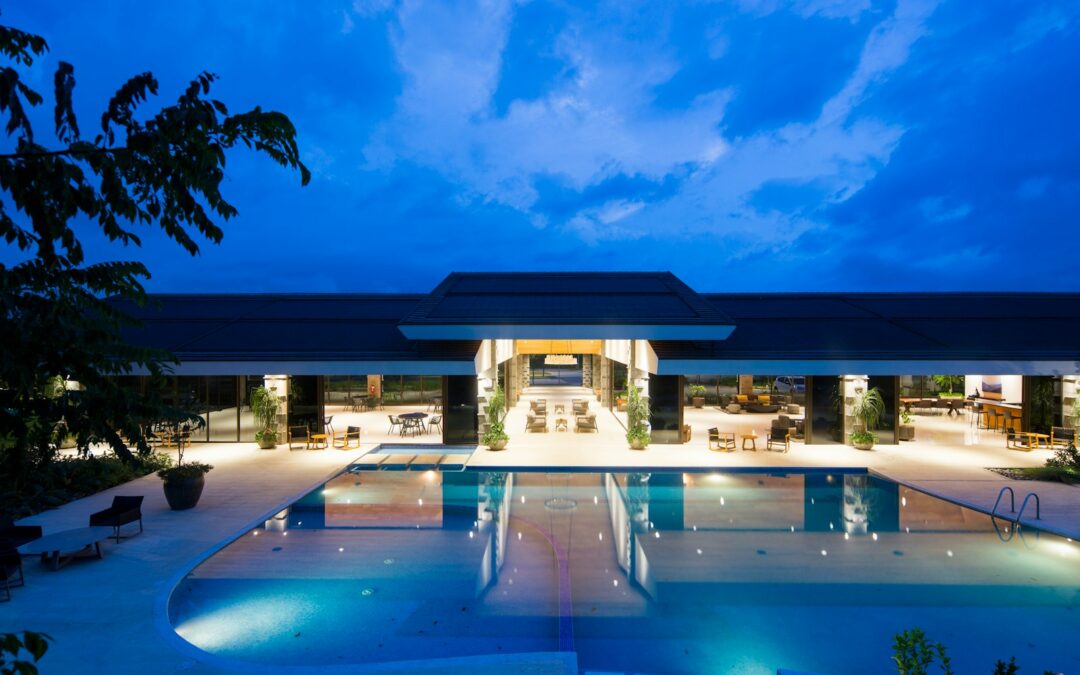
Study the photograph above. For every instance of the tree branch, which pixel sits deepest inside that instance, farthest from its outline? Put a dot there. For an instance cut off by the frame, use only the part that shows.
(62, 153)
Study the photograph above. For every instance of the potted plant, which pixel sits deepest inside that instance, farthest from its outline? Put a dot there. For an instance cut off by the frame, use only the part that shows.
(495, 412)
(697, 395)
(867, 407)
(183, 483)
(907, 429)
(637, 420)
(620, 401)
(265, 405)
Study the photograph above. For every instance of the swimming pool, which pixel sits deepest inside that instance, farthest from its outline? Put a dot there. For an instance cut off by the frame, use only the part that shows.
(646, 573)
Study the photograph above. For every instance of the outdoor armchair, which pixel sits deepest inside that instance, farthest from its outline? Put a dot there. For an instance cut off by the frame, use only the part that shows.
(299, 434)
(536, 424)
(124, 510)
(586, 423)
(347, 438)
(722, 440)
(1062, 436)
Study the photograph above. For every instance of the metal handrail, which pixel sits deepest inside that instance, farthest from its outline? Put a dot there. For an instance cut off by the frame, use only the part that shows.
(1012, 500)
(1024, 504)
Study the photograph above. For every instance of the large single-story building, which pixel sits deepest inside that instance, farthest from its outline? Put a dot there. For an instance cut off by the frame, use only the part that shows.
(1017, 355)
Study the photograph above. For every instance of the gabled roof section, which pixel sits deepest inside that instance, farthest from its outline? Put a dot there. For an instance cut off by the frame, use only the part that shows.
(565, 305)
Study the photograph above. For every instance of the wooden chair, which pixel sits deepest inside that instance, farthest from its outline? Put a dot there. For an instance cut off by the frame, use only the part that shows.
(1016, 440)
(298, 434)
(345, 438)
(780, 433)
(721, 440)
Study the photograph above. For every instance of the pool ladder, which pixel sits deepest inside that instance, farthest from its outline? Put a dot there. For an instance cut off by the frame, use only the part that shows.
(1012, 504)
(1015, 520)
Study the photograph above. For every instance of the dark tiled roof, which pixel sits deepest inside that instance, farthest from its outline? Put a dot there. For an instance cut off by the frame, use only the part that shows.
(892, 326)
(640, 299)
(339, 327)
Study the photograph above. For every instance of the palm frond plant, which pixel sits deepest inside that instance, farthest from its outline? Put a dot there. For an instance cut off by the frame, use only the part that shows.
(867, 408)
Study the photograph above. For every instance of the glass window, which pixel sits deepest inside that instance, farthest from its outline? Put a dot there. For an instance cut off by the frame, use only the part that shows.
(221, 408)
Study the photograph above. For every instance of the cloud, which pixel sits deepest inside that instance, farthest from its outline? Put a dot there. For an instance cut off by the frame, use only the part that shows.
(600, 121)
(832, 9)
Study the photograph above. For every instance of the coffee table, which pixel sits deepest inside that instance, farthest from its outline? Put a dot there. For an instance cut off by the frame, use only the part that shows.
(560, 424)
(60, 548)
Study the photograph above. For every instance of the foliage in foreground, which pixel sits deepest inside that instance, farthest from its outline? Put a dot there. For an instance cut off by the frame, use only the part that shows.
(63, 317)
(20, 652)
(914, 654)
(637, 417)
(69, 478)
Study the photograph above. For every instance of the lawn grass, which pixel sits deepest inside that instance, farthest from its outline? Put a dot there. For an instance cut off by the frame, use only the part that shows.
(1052, 474)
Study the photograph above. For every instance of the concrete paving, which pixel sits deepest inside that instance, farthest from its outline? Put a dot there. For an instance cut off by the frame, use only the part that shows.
(106, 615)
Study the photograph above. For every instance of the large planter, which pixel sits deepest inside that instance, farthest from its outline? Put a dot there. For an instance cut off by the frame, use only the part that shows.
(698, 401)
(864, 445)
(907, 432)
(499, 445)
(184, 493)
(637, 444)
(267, 443)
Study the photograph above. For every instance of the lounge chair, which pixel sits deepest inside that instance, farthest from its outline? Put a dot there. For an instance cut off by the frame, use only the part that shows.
(1062, 436)
(124, 510)
(17, 535)
(11, 571)
(723, 440)
(580, 406)
(586, 423)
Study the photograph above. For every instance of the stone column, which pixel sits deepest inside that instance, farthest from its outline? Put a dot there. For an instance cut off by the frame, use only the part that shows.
(746, 384)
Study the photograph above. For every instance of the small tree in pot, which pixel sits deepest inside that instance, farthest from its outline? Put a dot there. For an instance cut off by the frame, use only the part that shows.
(265, 405)
(867, 409)
(183, 483)
(495, 437)
(697, 395)
(637, 420)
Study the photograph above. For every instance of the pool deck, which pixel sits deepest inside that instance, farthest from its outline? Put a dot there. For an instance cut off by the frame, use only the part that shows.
(105, 615)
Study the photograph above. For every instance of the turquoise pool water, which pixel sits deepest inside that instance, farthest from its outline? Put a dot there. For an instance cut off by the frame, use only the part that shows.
(645, 573)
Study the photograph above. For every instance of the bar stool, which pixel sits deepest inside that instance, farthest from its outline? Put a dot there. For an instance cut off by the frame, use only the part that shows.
(1012, 421)
(992, 419)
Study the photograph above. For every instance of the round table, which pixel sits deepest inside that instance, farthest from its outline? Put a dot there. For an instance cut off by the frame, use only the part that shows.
(415, 419)
(59, 548)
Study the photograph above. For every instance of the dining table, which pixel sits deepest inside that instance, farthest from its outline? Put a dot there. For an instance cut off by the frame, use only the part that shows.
(413, 420)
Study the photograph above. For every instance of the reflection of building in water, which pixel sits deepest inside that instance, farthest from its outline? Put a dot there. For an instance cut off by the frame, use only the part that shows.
(857, 498)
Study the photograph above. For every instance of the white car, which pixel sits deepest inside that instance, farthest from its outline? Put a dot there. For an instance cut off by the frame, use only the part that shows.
(790, 385)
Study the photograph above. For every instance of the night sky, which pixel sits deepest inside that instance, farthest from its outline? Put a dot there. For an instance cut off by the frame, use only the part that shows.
(743, 145)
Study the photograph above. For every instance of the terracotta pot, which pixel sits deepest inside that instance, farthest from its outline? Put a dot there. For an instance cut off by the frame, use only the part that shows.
(698, 401)
(184, 493)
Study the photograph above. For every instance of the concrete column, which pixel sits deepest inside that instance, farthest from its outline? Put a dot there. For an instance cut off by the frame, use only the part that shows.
(376, 381)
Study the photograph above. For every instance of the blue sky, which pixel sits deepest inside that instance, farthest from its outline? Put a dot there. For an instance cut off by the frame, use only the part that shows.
(743, 145)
